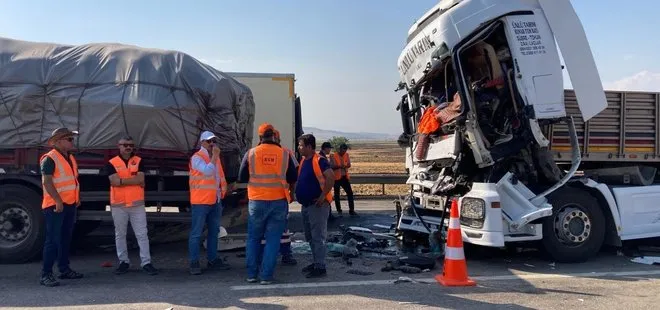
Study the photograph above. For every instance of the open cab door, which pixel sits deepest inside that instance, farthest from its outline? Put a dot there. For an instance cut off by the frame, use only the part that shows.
(575, 49)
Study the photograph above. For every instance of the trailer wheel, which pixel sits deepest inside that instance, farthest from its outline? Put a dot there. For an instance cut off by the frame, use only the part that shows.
(22, 228)
(576, 230)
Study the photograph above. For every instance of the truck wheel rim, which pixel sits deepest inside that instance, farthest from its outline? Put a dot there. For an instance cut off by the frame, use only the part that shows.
(15, 224)
(572, 226)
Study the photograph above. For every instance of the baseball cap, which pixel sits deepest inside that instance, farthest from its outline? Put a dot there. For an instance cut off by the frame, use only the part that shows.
(264, 127)
(207, 135)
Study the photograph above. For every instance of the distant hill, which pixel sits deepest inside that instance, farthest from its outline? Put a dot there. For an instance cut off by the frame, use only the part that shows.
(323, 134)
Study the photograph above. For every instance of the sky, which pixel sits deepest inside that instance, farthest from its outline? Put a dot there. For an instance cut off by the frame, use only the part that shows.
(343, 52)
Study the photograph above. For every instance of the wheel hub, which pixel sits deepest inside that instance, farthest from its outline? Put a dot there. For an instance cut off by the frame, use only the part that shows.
(15, 224)
(572, 226)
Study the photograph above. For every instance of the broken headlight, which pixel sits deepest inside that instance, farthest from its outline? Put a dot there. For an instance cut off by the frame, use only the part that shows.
(473, 212)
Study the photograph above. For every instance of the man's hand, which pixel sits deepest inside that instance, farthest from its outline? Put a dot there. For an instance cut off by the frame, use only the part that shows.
(231, 187)
(320, 201)
(78, 204)
(59, 206)
(216, 151)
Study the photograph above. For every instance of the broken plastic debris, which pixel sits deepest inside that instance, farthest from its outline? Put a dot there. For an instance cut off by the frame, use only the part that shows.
(530, 265)
(403, 280)
(647, 260)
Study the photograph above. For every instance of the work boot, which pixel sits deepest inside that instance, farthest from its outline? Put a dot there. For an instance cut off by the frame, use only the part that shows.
(49, 280)
(123, 268)
(150, 269)
(316, 273)
(70, 275)
(288, 260)
(352, 213)
(218, 264)
(195, 269)
(308, 268)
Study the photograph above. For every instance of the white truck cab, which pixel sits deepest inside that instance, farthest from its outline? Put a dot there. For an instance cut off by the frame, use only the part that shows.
(489, 72)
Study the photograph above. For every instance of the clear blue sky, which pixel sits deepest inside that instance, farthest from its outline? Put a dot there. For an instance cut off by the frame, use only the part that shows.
(343, 52)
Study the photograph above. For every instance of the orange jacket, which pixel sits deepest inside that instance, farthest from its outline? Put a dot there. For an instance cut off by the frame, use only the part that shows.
(268, 164)
(318, 173)
(428, 123)
(65, 179)
(126, 195)
(204, 188)
(341, 161)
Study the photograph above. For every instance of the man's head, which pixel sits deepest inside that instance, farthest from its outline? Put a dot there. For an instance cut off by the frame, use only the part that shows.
(207, 139)
(126, 146)
(276, 136)
(62, 139)
(266, 132)
(307, 145)
(342, 148)
(326, 147)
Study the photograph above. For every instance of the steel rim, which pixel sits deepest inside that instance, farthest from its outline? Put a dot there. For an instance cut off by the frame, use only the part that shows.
(15, 226)
(572, 226)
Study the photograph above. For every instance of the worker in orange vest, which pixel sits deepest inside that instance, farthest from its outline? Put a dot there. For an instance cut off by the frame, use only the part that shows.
(61, 197)
(126, 174)
(315, 181)
(208, 187)
(341, 162)
(270, 174)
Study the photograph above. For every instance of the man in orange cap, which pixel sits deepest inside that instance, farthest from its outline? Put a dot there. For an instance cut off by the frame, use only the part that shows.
(270, 173)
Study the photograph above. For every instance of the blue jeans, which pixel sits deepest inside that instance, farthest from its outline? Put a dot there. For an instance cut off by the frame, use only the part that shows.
(59, 231)
(267, 219)
(209, 215)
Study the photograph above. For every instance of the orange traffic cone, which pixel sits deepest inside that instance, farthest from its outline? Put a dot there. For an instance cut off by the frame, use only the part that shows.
(454, 270)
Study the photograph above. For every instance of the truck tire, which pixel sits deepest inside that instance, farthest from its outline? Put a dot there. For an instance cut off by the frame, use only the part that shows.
(576, 230)
(22, 226)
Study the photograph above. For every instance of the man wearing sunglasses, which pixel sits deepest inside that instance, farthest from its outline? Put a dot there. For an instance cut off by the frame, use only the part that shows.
(126, 174)
(61, 197)
(207, 188)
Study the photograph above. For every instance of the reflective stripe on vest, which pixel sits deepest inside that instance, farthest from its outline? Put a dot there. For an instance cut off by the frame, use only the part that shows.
(317, 173)
(126, 195)
(65, 179)
(268, 165)
(341, 161)
(204, 188)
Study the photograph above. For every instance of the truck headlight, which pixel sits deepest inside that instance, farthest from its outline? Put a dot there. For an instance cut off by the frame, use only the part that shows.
(473, 212)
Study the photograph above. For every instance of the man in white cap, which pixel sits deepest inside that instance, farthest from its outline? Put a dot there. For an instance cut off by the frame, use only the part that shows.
(207, 188)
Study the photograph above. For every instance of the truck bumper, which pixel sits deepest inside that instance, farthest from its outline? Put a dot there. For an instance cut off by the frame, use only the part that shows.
(473, 236)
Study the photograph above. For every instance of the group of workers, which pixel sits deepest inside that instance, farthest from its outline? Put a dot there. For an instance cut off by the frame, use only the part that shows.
(274, 179)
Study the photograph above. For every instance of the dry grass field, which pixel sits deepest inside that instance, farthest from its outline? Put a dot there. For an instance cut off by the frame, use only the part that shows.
(384, 157)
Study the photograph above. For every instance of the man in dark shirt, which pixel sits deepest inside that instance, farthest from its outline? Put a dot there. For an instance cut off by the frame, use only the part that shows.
(59, 206)
(315, 200)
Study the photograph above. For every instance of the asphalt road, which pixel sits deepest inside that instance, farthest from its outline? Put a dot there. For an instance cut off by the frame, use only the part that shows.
(507, 280)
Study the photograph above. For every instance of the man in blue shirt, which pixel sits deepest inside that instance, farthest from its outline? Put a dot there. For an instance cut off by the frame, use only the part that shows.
(313, 193)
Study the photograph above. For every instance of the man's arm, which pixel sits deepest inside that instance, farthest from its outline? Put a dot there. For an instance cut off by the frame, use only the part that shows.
(199, 165)
(348, 160)
(138, 179)
(292, 176)
(329, 181)
(244, 170)
(47, 170)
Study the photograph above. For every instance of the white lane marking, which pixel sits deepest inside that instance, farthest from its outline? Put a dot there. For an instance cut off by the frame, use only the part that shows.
(432, 280)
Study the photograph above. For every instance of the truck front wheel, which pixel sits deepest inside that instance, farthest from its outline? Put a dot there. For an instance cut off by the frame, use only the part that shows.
(21, 224)
(576, 230)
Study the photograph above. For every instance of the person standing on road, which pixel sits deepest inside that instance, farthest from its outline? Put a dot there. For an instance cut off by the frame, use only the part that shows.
(270, 174)
(315, 181)
(61, 197)
(285, 241)
(341, 162)
(126, 174)
(326, 147)
(208, 187)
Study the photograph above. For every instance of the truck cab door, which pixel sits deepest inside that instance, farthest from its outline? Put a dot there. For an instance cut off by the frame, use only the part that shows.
(575, 49)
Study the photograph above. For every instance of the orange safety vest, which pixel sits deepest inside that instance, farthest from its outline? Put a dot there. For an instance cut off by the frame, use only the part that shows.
(204, 188)
(126, 195)
(268, 164)
(65, 178)
(340, 161)
(318, 173)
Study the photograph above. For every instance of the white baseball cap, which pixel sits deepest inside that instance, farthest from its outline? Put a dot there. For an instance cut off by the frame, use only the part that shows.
(207, 135)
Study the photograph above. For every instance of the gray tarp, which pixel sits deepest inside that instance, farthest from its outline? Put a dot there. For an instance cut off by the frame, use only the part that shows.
(161, 98)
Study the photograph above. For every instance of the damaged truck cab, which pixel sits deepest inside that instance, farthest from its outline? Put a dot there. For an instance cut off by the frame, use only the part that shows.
(483, 78)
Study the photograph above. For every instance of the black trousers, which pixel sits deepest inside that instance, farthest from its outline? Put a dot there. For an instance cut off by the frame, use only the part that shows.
(346, 185)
